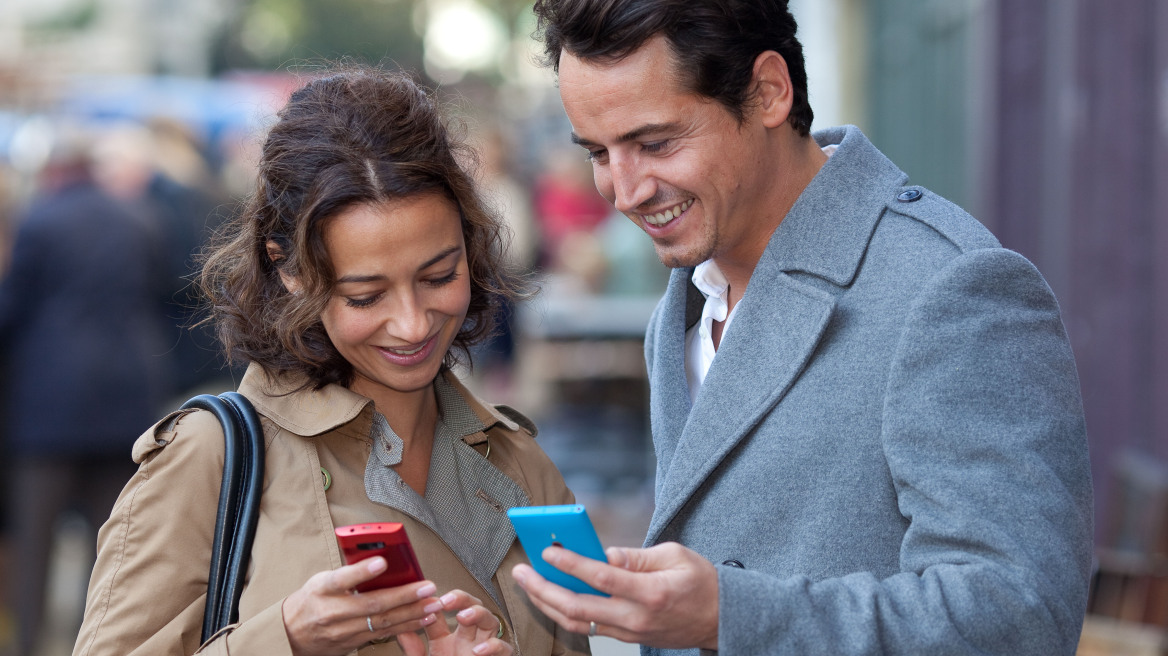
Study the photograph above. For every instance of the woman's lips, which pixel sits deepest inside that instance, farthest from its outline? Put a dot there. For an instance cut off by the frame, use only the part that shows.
(408, 356)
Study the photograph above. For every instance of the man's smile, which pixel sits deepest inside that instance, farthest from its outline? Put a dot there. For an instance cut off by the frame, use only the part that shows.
(661, 218)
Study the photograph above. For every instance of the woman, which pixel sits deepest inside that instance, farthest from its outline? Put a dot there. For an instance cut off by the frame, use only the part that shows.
(363, 266)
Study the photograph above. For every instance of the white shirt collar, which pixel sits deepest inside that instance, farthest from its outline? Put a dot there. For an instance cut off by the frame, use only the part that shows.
(699, 340)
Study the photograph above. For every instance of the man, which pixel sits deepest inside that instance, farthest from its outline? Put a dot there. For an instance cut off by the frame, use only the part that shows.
(82, 329)
(866, 413)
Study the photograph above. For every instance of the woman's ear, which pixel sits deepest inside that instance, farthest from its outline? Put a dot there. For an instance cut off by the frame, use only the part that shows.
(276, 255)
(772, 83)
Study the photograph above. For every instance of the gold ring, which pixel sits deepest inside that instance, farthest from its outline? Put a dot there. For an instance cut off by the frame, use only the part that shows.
(591, 629)
(369, 623)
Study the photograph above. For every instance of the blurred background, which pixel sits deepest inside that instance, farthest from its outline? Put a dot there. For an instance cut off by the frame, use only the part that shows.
(1047, 119)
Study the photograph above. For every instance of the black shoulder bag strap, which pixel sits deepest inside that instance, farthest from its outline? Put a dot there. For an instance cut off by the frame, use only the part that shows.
(239, 504)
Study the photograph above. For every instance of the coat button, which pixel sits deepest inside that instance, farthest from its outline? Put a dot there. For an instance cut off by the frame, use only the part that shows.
(734, 563)
(909, 195)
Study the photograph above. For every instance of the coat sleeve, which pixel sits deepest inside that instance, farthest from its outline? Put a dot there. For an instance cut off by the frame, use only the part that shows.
(149, 583)
(985, 441)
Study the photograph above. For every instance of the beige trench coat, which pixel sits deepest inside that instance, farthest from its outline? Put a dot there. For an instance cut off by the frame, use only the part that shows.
(148, 587)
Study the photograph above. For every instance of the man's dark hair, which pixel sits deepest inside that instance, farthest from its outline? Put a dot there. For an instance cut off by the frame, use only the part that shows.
(715, 41)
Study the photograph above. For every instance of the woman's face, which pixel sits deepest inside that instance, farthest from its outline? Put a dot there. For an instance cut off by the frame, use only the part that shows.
(401, 294)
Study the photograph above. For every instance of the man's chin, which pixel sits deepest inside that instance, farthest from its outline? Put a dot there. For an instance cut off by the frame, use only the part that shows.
(679, 259)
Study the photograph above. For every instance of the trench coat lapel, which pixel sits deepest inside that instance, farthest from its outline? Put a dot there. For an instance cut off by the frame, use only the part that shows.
(780, 321)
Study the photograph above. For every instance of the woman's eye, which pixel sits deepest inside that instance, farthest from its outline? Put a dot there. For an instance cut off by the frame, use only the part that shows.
(364, 301)
(444, 280)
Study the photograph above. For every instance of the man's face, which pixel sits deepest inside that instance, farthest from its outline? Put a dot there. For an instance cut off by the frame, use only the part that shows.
(676, 163)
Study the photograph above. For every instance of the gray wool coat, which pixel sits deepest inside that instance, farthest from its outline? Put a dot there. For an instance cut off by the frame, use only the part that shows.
(890, 440)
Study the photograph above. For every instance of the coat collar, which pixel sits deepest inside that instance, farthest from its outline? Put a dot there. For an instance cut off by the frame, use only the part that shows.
(780, 322)
(311, 412)
(827, 230)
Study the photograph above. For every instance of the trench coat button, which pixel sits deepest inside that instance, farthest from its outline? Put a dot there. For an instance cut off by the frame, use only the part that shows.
(326, 478)
(909, 195)
(734, 563)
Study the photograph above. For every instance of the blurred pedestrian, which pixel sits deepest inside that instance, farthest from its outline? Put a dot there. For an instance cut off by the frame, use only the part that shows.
(159, 167)
(80, 339)
(494, 359)
(566, 206)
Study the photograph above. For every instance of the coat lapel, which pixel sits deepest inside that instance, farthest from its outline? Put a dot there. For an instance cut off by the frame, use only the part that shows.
(778, 325)
(767, 347)
(668, 390)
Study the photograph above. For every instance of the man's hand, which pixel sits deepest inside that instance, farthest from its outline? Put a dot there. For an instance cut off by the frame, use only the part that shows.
(665, 596)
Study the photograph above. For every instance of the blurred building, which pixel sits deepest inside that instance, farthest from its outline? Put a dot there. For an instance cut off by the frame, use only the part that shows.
(1048, 119)
(42, 40)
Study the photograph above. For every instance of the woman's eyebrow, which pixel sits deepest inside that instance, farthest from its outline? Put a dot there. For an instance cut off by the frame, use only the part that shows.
(439, 257)
(373, 278)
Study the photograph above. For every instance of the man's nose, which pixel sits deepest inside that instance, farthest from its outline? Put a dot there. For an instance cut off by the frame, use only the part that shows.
(631, 185)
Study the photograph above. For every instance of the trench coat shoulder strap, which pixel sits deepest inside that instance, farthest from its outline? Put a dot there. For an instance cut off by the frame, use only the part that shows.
(198, 424)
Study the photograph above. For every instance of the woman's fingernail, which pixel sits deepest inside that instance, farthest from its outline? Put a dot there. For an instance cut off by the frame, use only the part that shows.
(377, 565)
(429, 619)
(432, 608)
(481, 648)
(519, 576)
(427, 590)
(466, 613)
(448, 598)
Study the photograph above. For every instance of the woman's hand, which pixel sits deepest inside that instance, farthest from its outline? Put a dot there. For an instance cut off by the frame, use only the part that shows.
(325, 618)
(475, 635)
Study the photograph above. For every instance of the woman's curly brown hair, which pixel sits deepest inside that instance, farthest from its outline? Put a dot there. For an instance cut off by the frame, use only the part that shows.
(359, 136)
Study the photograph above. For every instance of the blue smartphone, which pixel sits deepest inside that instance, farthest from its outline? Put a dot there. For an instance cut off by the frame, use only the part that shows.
(540, 527)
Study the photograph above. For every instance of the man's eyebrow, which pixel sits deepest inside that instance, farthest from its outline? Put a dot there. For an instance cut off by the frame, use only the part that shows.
(425, 265)
(580, 141)
(632, 135)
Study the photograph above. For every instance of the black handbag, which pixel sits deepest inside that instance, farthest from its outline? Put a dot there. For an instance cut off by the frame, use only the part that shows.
(239, 505)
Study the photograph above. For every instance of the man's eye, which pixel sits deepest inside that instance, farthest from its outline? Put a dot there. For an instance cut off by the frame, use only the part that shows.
(655, 146)
(597, 155)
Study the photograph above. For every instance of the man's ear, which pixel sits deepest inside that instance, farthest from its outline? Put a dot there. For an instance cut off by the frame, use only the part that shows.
(773, 90)
(276, 254)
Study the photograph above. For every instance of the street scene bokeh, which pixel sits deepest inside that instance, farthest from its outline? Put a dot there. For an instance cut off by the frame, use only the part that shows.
(134, 126)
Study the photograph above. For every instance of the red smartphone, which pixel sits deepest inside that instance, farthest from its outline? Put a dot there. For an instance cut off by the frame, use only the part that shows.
(385, 539)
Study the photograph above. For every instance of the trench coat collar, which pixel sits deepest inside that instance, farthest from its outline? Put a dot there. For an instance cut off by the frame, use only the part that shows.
(311, 412)
(780, 321)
